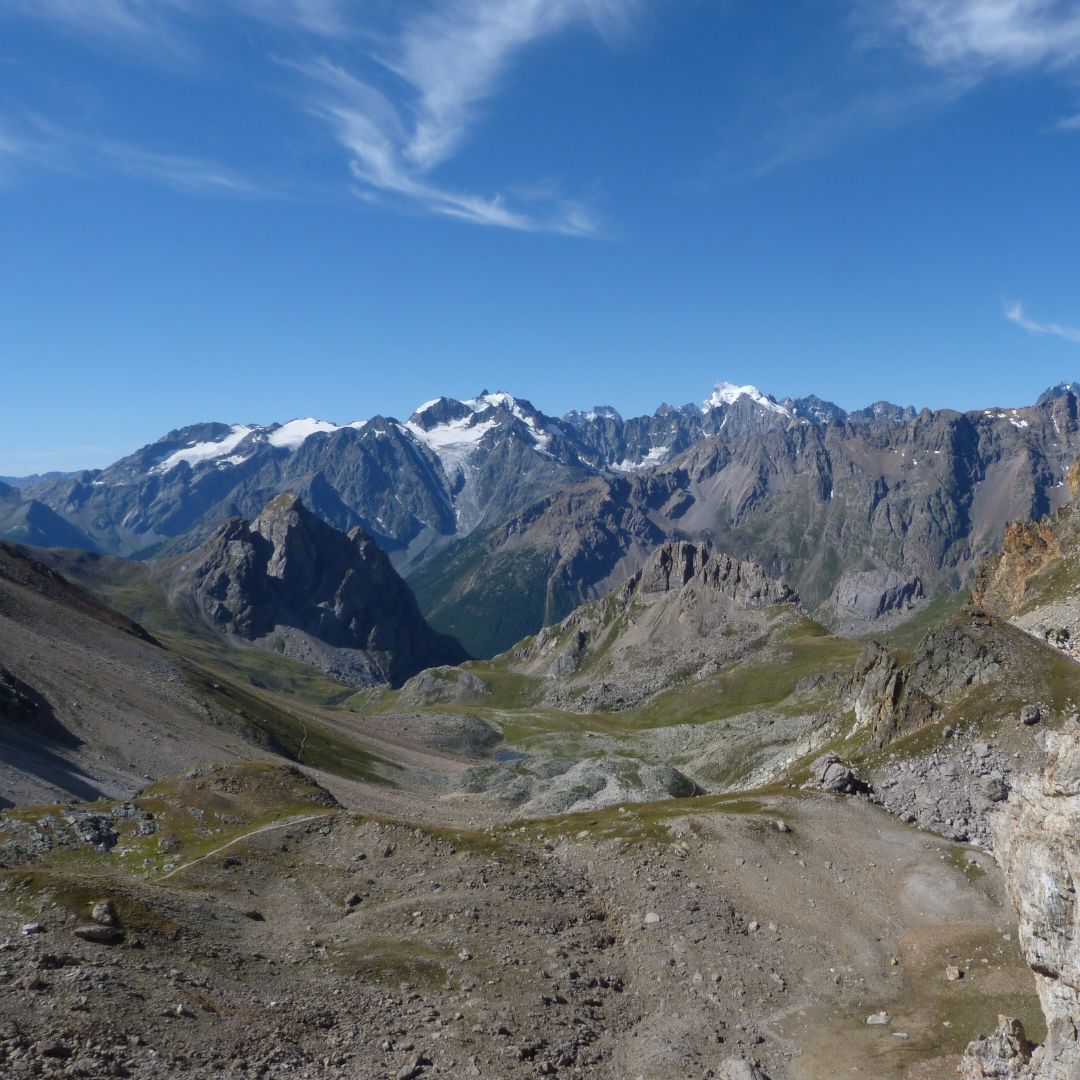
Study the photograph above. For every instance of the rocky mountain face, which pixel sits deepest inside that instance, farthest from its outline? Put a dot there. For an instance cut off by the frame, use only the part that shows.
(892, 699)
(864, 519)
(685, 613)
(289, 582)
(451, 467)
(868, 514)
(948, 726)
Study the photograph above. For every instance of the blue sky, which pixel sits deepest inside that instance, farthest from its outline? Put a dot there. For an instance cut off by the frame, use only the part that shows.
(249, 210)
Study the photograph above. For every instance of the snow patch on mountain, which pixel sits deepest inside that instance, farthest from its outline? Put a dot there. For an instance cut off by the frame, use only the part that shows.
(453, 442)
(292, 434)
(725, 393)
(498, 400)
(205, 451)
(656, 456)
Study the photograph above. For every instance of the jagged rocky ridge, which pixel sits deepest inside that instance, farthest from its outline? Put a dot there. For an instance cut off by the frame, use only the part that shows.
(452, 467)
(290, 582)
(685, 613)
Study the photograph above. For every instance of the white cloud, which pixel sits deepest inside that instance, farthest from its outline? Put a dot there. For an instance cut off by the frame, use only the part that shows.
(1015, 313)
(373, 132)
(173, 170)
(140, 20)
(448, 60)
(453, 57)
(976, 36)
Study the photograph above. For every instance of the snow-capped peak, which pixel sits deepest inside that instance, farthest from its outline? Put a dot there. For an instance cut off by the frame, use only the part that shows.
(597, 412)
(499, 400)
(726, 393)
(293, 433)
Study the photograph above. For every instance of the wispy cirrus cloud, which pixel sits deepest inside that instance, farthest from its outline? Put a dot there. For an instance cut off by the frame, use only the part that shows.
(50, 146)
(174, 170)
(975, 39)
(977, 36)
(401, 87)
(144, 19)
(448, 61)
(1015, 313)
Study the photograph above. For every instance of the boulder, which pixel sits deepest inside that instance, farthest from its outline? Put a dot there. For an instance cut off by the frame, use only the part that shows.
(100, 935)
(831, 773)
(1030, 715)
(1005, 1055)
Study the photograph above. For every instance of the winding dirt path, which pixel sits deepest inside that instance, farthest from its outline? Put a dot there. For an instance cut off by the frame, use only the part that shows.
(284, 824)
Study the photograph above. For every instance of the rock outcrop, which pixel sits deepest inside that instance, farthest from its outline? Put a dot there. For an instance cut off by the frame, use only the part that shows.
(288, 581)
(1004, 1055)
(894, 699)
(1035, 581)
(1038, 847)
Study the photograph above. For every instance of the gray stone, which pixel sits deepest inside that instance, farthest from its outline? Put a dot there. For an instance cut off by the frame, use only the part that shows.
(104, 913)
(741, 1069)
(867, 595)
(1030, 714)
(1036, 843)
(831, 773)
(99, 935)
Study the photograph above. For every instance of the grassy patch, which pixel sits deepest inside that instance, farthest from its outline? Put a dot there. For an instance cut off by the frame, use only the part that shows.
(767, 681)
(191, 816)
(389, 962)
(909, 634)
(642, 821)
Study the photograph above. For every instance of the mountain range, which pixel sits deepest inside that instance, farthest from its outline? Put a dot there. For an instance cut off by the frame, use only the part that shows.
(868, 514)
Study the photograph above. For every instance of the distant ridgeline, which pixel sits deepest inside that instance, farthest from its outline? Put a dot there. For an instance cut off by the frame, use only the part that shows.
(504, 519)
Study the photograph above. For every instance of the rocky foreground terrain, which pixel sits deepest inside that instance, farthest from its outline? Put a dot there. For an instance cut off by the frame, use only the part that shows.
(237, 922)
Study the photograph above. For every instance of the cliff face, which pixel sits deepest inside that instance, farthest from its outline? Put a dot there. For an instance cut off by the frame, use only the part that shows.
(290, 582)
(865, 521)
(1038, 843)
(1038, 846)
